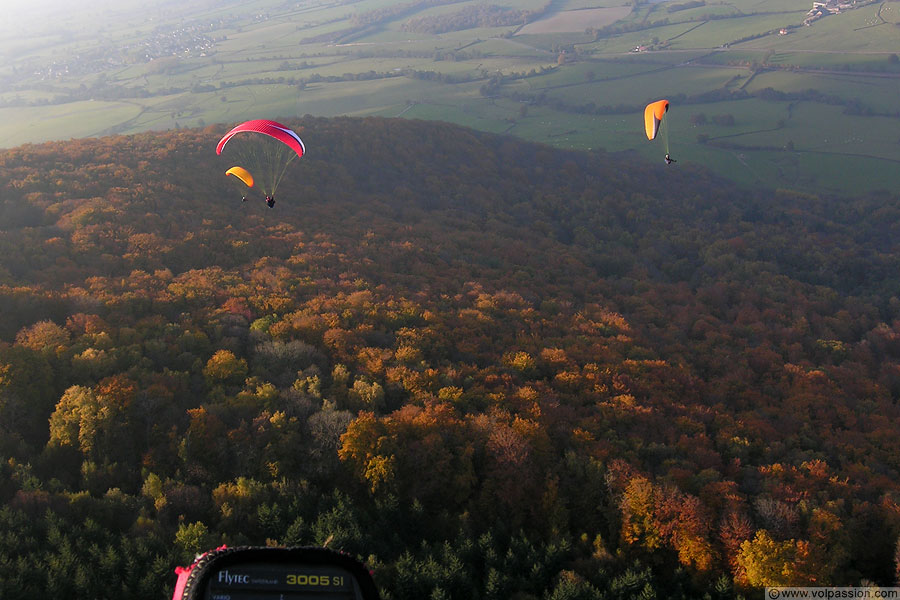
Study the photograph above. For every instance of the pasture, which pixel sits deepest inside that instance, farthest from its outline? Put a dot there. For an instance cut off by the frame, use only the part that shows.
(62, 122)
(572, 21)
(636, 89)
(759, 107)
(869, 91)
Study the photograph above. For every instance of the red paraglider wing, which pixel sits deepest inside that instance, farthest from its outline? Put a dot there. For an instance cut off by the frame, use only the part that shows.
(266, 127)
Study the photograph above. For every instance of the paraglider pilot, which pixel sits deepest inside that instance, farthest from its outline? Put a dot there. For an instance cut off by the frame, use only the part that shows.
(670, 160)
(270, 201)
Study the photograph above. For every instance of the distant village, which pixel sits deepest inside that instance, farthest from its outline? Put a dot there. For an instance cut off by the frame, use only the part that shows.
(189, 40)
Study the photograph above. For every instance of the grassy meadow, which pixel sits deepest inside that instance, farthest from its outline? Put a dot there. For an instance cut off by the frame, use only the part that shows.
(756, 95)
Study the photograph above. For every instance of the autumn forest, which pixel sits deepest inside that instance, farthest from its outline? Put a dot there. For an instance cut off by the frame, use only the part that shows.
(487, 368)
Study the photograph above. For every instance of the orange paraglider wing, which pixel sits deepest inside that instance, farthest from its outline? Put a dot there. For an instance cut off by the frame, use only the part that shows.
(242, 174)
(653, 116)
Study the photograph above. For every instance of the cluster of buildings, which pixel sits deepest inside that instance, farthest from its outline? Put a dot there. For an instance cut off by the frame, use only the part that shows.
(828, 7)
(187, 40)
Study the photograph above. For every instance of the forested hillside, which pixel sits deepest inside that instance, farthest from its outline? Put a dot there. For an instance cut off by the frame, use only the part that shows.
(489, 369)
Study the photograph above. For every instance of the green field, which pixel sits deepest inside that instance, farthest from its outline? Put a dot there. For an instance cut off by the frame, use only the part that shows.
(640, 88)
(846, 86)
(823, 94)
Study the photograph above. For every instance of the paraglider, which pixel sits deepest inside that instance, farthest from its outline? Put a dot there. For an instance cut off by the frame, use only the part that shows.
(242, 174)
(654, 121)
(266, 148)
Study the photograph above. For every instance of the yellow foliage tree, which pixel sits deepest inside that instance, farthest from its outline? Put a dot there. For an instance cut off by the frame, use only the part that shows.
(637, 507)
(362, 447)
(225, 368)
(764, 561)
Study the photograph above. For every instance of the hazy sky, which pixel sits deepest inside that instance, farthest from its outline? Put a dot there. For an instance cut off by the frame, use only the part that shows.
(20, 7)
(67, 5)
(44, 14)
(54, 16)
(17, 5)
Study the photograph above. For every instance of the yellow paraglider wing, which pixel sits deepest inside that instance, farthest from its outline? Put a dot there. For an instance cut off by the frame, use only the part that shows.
(242, 174)
(653, 116)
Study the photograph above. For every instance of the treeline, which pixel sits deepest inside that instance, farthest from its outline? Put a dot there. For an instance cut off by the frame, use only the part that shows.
(685, 6)
(854, 106)
(468, 18)
(487, 368)
(389, 13)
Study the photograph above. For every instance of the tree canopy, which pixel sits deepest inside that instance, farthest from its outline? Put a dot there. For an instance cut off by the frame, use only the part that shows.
(488, 368)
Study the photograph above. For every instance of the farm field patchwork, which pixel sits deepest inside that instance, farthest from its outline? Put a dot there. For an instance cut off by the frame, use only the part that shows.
(563, 78)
